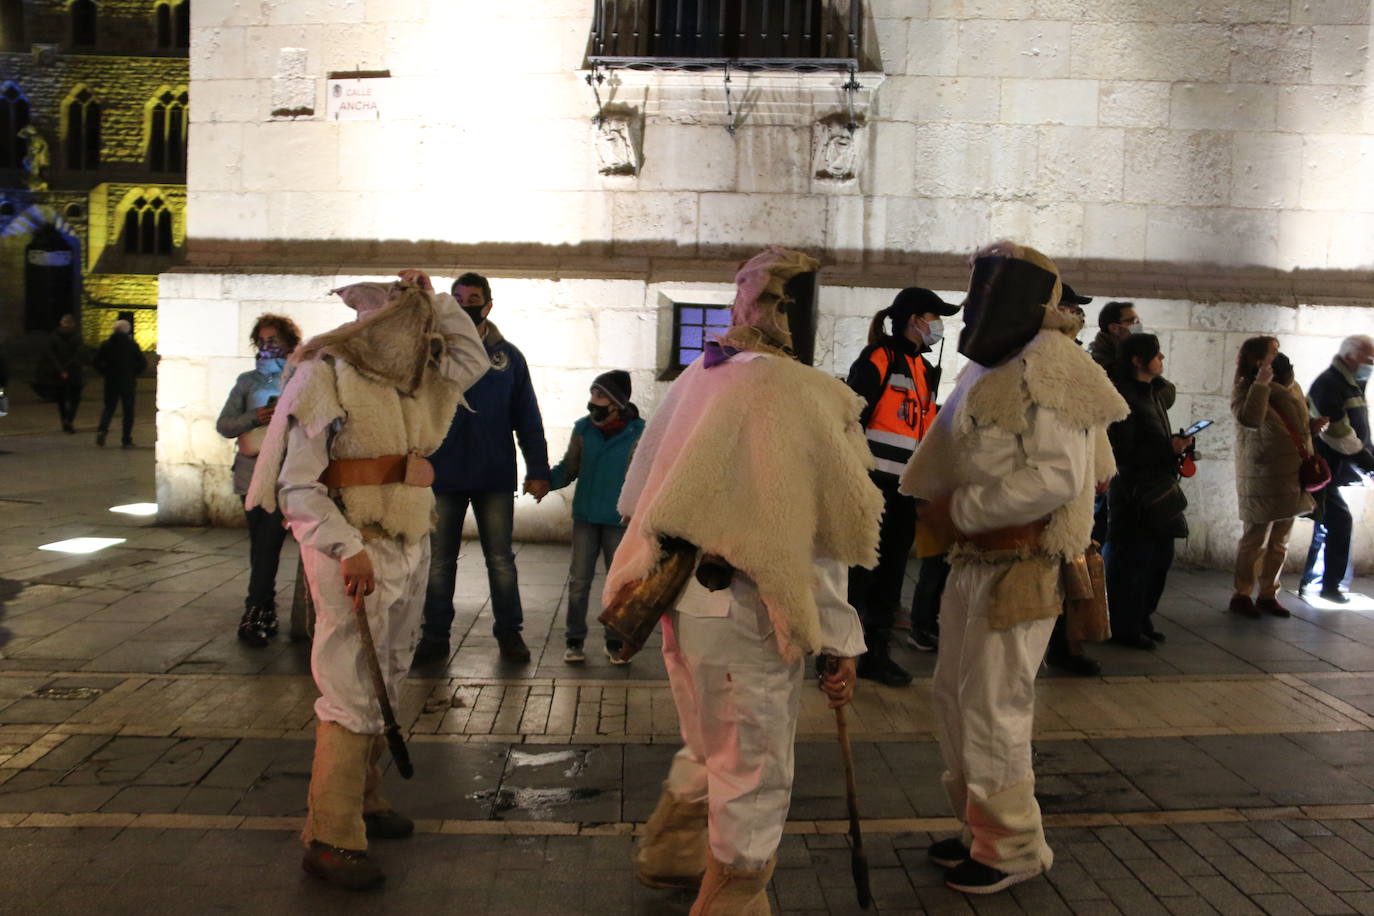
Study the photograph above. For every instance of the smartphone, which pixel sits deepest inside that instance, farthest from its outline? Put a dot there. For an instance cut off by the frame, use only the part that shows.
(1196, 428)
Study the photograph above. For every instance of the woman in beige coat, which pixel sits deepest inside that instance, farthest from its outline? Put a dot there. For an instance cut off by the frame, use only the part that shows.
(1265, 395)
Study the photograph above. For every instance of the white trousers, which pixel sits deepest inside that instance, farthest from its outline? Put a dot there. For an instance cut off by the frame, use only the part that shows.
(984, 698)
(737, 701)
(337, 658)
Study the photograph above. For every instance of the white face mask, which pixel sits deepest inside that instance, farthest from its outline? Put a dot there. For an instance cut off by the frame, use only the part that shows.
(1137, 328)
(935, 334)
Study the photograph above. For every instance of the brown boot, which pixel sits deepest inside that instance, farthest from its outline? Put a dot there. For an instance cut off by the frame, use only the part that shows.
(672, 851)
(382, 821)
(334, 835)
(727, 891)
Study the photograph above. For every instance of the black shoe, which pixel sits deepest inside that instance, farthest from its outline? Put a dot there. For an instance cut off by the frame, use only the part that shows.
(973, 877)
(1155, 635)
(513, 648)
(388, 825)
(68, 428)
(100, 437)
(127, 443)
(613, 649)
(1142, 642)
(877, 665)
(923, 640)
(349, 868)
(431, 650)
(253, 625)
(948, 853)
(1080, 665)
(1335, 596)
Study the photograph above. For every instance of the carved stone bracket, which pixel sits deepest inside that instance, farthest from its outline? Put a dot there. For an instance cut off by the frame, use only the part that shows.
(618, 135)
(838, 147)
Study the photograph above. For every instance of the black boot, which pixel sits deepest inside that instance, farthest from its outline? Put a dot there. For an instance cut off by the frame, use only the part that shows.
(877, 665)
(258, 624)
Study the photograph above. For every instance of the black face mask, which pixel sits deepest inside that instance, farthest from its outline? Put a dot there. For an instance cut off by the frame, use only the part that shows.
(1004, 308)
(475, 313)
(1283, 369)
(599, 412)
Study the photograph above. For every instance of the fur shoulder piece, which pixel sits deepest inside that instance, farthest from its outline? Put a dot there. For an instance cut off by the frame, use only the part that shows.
(1051, 371)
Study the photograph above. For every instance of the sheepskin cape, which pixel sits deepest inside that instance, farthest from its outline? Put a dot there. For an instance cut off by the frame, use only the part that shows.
(1053, 372)
(760, 460)
(399, 404)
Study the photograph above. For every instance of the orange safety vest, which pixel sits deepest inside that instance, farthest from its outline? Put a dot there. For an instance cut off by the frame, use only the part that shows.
(903, 412)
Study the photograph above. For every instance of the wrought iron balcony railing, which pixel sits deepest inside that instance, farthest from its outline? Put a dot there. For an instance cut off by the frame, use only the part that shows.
(797, 35)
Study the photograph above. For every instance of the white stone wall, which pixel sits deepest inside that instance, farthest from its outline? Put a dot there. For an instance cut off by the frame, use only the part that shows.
(1212, 159)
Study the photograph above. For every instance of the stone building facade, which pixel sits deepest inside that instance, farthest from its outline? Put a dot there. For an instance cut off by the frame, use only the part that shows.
(98, 89)
(1212, 160)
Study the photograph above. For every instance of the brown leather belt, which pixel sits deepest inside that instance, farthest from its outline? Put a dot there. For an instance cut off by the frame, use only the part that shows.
(1016, 537)
(373, 472)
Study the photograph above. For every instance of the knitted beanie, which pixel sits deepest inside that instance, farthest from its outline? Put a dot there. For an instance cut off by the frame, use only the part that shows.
(615, 385)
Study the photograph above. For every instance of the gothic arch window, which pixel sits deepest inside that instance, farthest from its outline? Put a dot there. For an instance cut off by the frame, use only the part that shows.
(167, 132)
(12, 24)
(14, 117)
(83, 131)
(174, 24)
(148, 226)
(83, 23)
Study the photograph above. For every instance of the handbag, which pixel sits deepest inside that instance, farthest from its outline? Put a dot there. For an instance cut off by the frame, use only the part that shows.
(1314, 473)
(1086, 618)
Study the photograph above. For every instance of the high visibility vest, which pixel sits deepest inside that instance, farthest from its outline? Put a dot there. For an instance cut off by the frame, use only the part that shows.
(904, 410)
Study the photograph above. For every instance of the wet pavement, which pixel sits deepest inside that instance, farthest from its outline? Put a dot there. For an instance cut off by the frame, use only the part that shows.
(151, 763)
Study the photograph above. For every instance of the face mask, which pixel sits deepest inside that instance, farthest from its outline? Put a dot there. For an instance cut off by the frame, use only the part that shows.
(935, 334)
(475, 313)
(599, 412)
(271, 365)
(1363, 371)
(1137, 328)
(1283, 369)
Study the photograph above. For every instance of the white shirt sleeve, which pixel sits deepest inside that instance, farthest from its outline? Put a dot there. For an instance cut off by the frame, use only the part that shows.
(315, 520)
(841, 632)
(465, 358)
(1053, 471)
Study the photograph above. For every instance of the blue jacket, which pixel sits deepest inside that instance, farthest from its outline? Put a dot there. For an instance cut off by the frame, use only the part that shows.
(478, 454)
(600, 463)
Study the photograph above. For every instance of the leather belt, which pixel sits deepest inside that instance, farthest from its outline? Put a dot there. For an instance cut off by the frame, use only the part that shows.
(1016, 537)
(372, 472)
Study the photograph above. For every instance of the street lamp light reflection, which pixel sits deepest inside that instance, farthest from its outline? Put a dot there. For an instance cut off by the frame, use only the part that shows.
(81, 545)
(136, 509)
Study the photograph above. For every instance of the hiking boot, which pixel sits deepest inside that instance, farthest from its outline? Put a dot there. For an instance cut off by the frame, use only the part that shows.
(258, 624)
(671, 852)
(948, 853)
(877, 665)
(513, 648)
(1272, 606)
(613, 649)
(1080, 664)
(727, 891)
(387, 825)
(347, 868)
(1242, 605)
(973, 877)
(923, 640)
(573, 654)
(430, 649)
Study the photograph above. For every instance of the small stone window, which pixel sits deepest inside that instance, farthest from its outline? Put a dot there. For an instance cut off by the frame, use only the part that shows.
(148, 227)
(167, 133)
(174, 24)
(14, 117)
(83, 131)
(693, 326)
(83, 14)
(12, 24)
(74, 211)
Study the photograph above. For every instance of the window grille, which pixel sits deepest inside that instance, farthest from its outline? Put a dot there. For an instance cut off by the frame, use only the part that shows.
(693, 326)
(799, 35)
(148, 227)
(83, 131)
(167, 133)
(14, 117)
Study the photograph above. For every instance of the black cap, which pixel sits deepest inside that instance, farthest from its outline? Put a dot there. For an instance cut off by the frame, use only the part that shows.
(917, 301)
(1072, 297)
(615, 385)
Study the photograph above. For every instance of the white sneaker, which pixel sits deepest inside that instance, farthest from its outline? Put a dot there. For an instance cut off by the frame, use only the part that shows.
(573, 654)
(615, 659)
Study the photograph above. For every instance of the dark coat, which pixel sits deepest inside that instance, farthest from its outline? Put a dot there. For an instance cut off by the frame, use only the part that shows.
(63, 353)
(120, 361)
(1145, 460)
(1337, 396)
(478, 454)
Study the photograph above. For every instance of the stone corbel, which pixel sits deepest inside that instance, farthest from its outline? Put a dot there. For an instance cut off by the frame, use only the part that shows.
(838, 147)
(618, 137)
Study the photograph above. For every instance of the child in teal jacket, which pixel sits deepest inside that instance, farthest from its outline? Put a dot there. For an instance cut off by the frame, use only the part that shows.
(599, 453)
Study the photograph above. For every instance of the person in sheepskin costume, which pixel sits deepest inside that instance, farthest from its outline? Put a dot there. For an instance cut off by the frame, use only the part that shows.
(760, 460)
(343, 459)
(1009, 470)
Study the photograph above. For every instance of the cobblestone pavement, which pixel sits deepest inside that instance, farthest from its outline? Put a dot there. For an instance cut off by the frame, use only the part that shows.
(150, 763)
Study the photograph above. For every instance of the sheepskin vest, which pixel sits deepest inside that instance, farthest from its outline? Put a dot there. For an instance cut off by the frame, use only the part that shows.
(760, 460)
(375, 419)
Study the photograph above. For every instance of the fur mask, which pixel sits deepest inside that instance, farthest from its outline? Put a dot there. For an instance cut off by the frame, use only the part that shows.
(758, 319)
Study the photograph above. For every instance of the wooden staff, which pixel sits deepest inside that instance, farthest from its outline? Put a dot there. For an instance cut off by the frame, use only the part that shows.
(394, 739)
(858, 860)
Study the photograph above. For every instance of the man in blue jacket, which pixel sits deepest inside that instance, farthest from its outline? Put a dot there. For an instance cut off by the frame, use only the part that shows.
(476, 466)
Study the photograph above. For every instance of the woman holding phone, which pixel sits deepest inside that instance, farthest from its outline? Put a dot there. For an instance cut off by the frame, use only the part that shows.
(244, 418)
